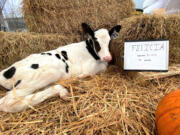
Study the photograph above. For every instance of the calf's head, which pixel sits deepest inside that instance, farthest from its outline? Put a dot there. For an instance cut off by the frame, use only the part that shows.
(98, 41)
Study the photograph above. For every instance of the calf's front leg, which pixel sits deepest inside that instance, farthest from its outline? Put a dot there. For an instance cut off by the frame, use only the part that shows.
(11, 103)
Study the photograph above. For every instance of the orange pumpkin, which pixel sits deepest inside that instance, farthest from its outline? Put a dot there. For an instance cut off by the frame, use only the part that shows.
(168, 114)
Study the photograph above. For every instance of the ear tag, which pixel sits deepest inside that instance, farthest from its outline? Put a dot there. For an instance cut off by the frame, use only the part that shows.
(114, 35)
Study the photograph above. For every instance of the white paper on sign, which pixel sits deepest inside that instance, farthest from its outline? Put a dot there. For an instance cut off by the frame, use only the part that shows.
(146, 55)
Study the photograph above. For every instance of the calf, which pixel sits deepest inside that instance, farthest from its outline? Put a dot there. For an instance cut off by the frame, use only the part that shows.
(41, 70)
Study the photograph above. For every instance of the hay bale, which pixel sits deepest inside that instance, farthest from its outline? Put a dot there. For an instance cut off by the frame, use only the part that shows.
(15, 46)
(148, 27)
(19, 45)
(66, 16)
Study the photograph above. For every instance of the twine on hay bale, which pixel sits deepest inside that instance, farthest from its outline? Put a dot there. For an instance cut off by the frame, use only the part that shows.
(66, 16)
(16, 46)
(147, 27)
(109, 103)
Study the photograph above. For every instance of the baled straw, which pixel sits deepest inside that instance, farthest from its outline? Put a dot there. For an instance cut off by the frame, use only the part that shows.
(66, 16)
(16, 46)
(149, 27)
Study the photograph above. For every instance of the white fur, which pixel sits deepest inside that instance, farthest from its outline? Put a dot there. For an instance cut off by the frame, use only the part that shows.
(50, 70)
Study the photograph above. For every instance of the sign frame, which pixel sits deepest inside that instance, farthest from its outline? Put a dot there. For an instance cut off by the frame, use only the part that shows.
(146, 70)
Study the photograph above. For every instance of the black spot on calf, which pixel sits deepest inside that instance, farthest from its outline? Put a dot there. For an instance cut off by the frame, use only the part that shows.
(46, 53)
(64, 54)
(63, 60)
(35, 66)
(49, 54)
(58, 56)
(67, 68)
(90, 48)
(9, 73)
(17, 83)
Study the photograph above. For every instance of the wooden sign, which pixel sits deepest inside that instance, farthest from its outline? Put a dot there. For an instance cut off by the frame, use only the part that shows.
(146, 55)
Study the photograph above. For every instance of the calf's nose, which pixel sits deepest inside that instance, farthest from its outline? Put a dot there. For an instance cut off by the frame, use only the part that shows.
(107, 58)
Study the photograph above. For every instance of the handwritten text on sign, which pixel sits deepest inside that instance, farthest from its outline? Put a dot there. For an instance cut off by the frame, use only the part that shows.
(146, 55)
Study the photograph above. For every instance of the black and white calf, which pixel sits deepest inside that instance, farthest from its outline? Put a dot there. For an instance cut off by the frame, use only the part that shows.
(39, 71)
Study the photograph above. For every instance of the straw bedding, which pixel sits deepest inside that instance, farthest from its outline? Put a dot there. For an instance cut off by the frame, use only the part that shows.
(66, 16)
(147, 27)
(108, 103)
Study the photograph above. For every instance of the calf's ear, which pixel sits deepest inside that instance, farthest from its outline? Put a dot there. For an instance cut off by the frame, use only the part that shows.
(87, 30)
(114, 32)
